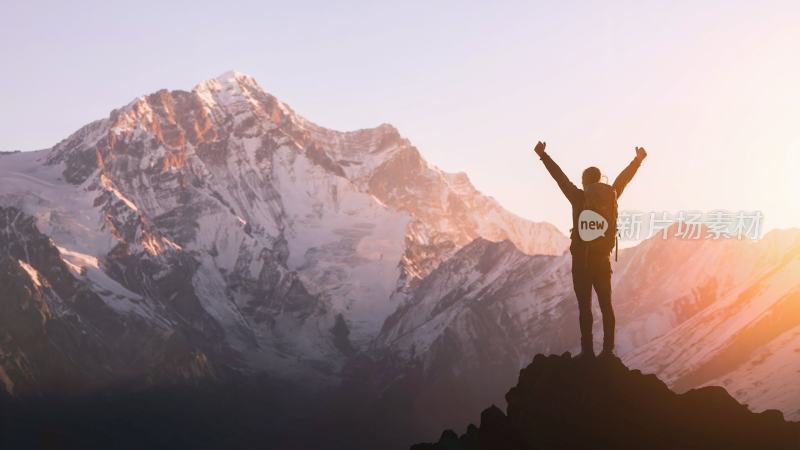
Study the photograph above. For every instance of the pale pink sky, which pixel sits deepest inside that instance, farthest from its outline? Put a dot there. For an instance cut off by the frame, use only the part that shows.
(712, 90)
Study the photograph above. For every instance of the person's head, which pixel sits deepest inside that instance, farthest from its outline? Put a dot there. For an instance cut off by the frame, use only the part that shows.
(590, 176)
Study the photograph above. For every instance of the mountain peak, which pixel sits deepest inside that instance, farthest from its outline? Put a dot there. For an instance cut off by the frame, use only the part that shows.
(233, 74)
(238, 93)
(564, 402)
(232, 77)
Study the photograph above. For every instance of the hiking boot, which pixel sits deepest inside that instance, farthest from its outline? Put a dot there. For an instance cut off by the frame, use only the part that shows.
(609, 355)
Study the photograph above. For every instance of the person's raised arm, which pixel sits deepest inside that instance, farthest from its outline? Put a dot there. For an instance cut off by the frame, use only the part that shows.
(627, 173)
(567, 187)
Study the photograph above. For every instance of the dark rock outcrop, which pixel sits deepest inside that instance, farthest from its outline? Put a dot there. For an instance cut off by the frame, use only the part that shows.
(565, 403)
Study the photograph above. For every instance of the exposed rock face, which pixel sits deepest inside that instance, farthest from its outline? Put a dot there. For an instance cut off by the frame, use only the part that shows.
(565, 403)
(59, 335)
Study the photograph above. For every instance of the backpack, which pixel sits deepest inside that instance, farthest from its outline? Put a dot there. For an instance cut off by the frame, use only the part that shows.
(597, 222)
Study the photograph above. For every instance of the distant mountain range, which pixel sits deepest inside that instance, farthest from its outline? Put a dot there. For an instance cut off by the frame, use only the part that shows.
(214, 233)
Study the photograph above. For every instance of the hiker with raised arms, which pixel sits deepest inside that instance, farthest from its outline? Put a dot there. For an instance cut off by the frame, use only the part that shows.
(593, 236)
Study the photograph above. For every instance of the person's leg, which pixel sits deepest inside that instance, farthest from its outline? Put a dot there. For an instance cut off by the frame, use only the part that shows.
(582, 284)
(601, 281)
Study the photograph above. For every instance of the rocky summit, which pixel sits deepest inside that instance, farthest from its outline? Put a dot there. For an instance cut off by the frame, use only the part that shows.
(562, 402)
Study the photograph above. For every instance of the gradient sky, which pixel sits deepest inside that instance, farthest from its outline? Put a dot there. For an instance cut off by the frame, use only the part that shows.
(712, 91)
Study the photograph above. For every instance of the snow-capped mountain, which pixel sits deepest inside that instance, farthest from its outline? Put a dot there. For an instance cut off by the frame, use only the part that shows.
(274, 244)
(720, 312)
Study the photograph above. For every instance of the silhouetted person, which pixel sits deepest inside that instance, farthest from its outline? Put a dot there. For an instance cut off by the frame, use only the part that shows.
(591, 260)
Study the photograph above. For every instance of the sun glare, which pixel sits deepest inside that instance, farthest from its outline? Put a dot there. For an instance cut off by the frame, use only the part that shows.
(791, 169)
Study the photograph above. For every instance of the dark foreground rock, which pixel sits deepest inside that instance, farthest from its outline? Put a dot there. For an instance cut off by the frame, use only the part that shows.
(565, 403)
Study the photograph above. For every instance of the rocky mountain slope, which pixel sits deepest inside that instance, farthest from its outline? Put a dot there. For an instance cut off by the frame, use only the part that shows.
(59, 329)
